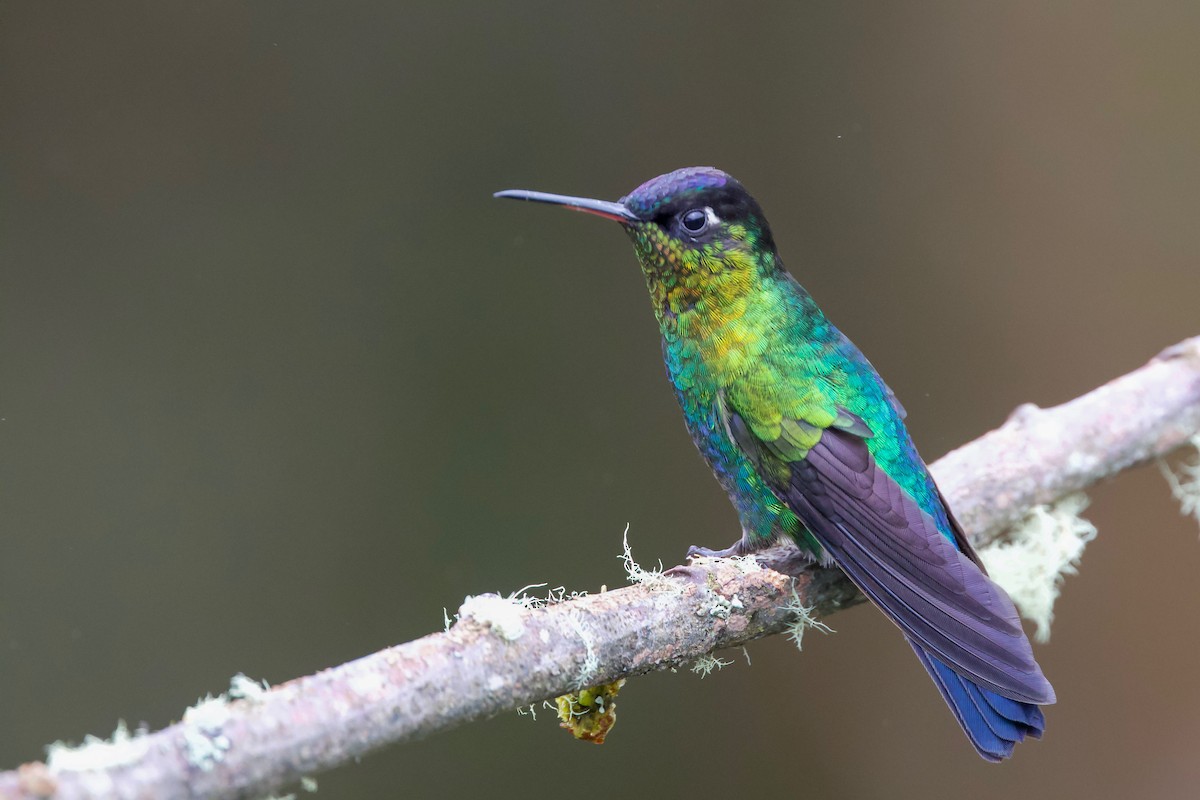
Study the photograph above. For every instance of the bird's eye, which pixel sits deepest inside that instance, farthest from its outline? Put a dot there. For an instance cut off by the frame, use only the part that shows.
(695, 220)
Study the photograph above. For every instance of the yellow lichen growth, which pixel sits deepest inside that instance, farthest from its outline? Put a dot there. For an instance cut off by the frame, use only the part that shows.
(590, 713)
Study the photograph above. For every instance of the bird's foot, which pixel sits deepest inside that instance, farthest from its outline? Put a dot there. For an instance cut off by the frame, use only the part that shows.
(696, 574)
(741, 547)
(783, 556)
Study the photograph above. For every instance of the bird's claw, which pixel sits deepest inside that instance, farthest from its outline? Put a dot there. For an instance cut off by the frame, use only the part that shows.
(736, 549)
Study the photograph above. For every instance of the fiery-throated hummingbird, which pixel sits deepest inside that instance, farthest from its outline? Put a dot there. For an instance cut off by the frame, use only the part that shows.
(810, 443)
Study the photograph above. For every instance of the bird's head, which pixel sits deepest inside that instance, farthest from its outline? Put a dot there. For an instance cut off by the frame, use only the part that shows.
(698, 233)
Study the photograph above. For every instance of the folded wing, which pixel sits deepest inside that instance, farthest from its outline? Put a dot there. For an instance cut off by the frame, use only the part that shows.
(895, 553)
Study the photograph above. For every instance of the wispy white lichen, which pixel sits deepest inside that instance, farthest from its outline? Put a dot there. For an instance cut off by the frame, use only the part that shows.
(96, 753)
(506, 615)
(804, 620)
(203, 736)
(1184, 480)
(243, 688)
(558, 594)
(531, 709)
(1039, 552)
(650, 578)
(503, 615)
(745, 564)
(706, 664)
(591, 661)
(204, 739)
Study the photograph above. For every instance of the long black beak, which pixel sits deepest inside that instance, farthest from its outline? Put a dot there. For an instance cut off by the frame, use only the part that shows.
(601, 208)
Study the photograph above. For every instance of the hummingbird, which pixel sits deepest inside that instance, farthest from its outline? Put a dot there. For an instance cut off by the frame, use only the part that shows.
(811, 446)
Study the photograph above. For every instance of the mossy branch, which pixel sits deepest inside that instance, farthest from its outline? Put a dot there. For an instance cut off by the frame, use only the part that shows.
(506, 653)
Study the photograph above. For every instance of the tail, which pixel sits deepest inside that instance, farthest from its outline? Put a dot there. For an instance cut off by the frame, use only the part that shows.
(994, 724)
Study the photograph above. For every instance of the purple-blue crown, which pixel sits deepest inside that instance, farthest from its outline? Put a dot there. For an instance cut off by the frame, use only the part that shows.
(646, 200)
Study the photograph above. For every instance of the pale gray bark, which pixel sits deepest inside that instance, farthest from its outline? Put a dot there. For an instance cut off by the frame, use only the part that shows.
(500, 657)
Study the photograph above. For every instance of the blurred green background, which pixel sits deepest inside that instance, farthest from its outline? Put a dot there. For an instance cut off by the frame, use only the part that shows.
(279, 380)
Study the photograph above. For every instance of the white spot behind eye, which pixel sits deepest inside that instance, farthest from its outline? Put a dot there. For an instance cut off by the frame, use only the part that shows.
(713, 219)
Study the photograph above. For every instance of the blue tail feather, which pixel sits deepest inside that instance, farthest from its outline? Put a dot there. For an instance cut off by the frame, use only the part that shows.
(993, 723)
